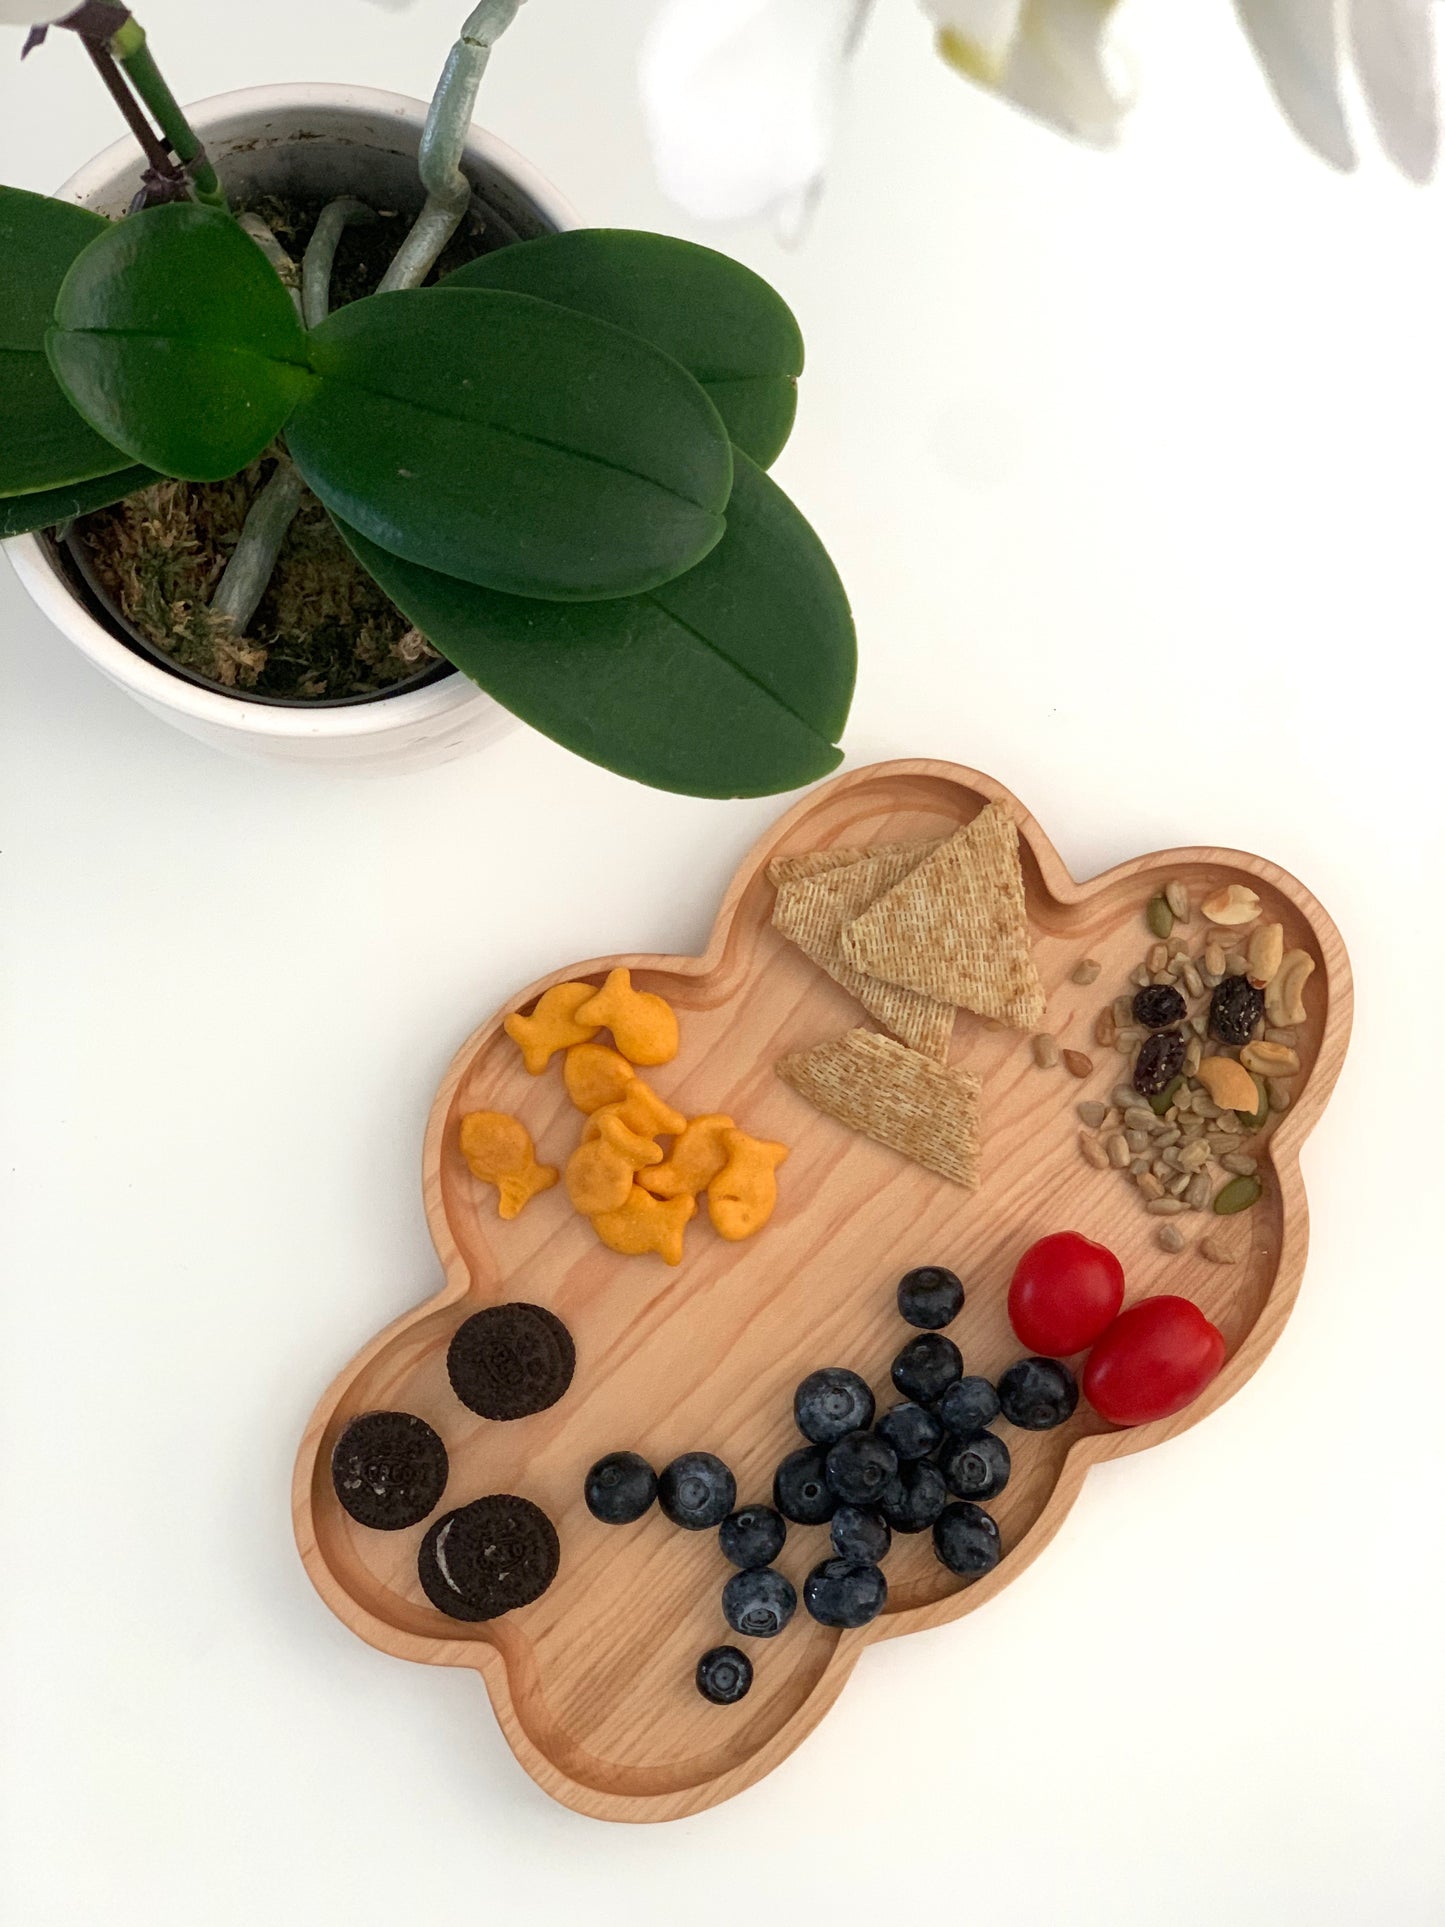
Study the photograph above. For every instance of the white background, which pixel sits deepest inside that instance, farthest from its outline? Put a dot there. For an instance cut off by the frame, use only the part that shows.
(1131, 465)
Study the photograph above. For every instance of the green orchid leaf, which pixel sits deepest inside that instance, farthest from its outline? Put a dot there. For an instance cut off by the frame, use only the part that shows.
(512, 443)
(43, 441)
(174, 337)
(44, 507)
(724, 323)
(731, 680)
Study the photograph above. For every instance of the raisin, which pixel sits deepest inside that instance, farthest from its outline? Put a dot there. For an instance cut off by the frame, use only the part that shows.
(1161, 1058)
(1158, 1006)
(1234, 1010)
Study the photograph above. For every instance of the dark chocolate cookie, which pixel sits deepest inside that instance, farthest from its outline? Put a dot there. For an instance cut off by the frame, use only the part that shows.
(488, 1558)
(510, 1360)
(389, 1470)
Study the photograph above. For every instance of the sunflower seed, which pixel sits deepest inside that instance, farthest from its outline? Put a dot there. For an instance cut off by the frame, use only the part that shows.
(1216, 1251)
(1205, 1106)
(1137, 1140)
(1193, 1057)
(1118, 1148)
(1149, 1185)
(1199, 1024)
(1214, 959)
(1125, 1097)
(1193, 1156)
(1235, 965)
(1046, 1051)
(1078, 1063)
(1106, 1032)
(1278, 1094)
(1288, 1037)
(1092, 1112)
(1170, 1237)
(1128, 1039)
(1164, 1139)
(1140, 975)
(1184, 1099)
(1086, 971)
(1197, 1196)
(1241, 1166)
(1177, 897)
(1165, 1207)
(1093, 1151)
(1158, 956)
(1161, 1169)
(1193, 982)
(1137, 1168)
(1123, 1009)
(1176, 1187)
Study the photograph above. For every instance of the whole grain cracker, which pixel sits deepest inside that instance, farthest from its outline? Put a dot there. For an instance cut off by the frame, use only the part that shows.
(926, 1110)
(956, 927)
(812, 912)
(815, 863)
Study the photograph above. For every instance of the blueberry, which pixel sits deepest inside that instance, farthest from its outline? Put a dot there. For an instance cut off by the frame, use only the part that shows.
(620, 1488)
(914, 1498)
(845, 1592)
(968, 1405)
(857, 1468)
(752, 1537)
(966, 1540)
(860, 1535)
(910, 1429)
(1038, 1393)
(930, 1296)
(975, 1466)
(760, 1603)
(831, 1403)
(800, 1488)
(926, 1367)
(697, 1491)
(724, 1675)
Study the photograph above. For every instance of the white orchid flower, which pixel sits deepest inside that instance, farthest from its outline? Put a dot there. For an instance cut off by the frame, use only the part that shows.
(1303, 47)
(1050, 57)
(741, 96)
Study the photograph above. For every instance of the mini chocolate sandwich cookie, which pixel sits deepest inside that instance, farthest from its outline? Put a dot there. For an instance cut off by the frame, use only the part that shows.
(389, 1470)
(488, 1558)
(510, 1360)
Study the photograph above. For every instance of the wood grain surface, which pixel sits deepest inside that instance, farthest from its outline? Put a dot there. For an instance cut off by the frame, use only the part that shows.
(593, 1683)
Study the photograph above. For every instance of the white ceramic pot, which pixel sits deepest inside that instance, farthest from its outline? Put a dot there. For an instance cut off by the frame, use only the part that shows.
(313, 140)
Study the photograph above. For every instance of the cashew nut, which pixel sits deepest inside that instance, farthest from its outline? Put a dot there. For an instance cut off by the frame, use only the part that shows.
(1284, 994)
(1229, 1084)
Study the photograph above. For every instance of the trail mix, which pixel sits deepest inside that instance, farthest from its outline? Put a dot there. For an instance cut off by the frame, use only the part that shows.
(1210, 1033)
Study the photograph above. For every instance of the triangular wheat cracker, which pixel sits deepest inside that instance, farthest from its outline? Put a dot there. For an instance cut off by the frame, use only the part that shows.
(813, 911)
(926, 1110)
(956, 928)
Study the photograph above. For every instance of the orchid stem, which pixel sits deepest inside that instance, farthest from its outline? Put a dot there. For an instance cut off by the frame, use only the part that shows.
(320, 256)
(128, 44)
(448, 192)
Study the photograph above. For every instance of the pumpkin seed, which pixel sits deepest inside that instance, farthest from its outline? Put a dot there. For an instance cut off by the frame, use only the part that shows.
(1238, 1195)
(1046, 1051)
(1165, 1207)
(1092, 1112)
(1118, 1148)
(1086, 971)
(1159, 917)
(1217, 1251)
(1161, 1100)
(1177, 898)
(1170, 1237)
(1093, 1151)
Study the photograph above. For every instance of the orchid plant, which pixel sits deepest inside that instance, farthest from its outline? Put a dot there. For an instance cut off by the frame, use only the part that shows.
(741, 96)
(553, 461)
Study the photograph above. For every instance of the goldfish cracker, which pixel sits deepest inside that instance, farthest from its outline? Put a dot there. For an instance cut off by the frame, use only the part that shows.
(696, 1159)
(646, 1224)
(552, 1026)
(498, 1150)
(595, 1075)
(741, 1197)
(601, 1169)
(643, 1111)
(643, 1025)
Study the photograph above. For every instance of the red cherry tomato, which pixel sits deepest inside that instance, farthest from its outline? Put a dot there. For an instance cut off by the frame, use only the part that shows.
(1156, 1358)
(1065, 1291)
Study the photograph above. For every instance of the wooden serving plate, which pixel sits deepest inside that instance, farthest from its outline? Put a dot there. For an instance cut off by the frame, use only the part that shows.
(593, 1683)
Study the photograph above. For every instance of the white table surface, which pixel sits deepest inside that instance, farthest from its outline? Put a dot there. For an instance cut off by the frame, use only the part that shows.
(1132, 467)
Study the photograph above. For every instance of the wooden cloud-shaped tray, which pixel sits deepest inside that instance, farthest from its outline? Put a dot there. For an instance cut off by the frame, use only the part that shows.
(593, 1682)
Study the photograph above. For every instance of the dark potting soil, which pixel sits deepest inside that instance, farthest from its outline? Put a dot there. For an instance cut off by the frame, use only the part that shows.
(323, 630)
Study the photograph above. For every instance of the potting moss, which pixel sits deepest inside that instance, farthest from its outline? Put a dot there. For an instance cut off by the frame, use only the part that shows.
(323, 629)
